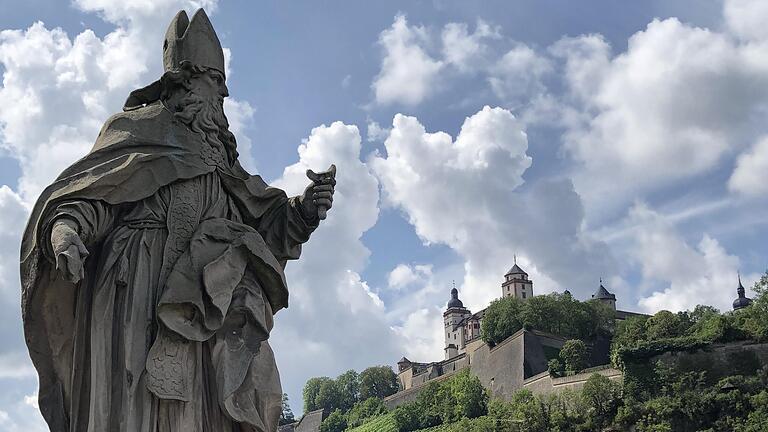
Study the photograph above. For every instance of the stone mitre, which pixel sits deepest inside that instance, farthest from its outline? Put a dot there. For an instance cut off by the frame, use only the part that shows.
(186, 43)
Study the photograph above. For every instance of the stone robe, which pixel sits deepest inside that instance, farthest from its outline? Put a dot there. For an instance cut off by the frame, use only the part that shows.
(168, 331)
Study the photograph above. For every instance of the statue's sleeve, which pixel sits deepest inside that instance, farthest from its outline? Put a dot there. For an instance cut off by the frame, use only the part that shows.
(94, 219)
(284, 228)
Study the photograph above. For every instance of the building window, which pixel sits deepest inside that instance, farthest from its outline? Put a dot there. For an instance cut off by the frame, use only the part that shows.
(523, 294)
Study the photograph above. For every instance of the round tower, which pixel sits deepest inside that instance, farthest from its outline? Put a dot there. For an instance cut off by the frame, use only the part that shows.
(605, 297)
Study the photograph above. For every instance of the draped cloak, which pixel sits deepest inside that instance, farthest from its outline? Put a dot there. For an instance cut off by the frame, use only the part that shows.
(136, 154)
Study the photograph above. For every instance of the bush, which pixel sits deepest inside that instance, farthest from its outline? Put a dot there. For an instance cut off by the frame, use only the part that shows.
(574, 355)
(408, 417)
(460, 397)
(555, 368)
(602, 397)
(335, 422)
(365, 411)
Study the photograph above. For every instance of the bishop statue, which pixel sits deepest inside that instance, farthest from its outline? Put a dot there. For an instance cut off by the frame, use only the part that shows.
(152, 267)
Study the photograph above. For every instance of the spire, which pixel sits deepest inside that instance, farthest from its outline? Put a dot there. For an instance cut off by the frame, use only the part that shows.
(602, 293)
(742, 301)
(740, 289)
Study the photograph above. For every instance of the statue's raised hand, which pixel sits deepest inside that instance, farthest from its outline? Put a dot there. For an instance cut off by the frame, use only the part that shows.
(68, 250)
(318, 196)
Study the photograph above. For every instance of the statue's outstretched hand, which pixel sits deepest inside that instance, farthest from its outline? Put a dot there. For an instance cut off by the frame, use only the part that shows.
(318, 196)
(68, 250)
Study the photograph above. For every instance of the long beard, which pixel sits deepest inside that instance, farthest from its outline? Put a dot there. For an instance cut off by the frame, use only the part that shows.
(206, 117)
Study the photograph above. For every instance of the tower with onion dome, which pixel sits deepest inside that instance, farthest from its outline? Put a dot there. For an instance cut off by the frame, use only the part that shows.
(452, 319)
(742, 301)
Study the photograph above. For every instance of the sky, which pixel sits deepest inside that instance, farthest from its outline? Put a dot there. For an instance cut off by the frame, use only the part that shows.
(613, 140)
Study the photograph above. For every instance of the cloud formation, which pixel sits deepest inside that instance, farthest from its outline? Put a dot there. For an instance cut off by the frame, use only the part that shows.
(692, 275)
(408, 73)
(466, 194)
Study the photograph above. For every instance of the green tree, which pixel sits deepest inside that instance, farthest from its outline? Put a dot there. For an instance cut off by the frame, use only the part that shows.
(329, 396)
(349, 386)
(286, 416)
(665, 324)
(603, 398)
(335, 422)
(377, 381)
(630, 331)
(502, 319)
(701, 312)
(468, 396)
(554, 313)
(310, 392)
(574, 355)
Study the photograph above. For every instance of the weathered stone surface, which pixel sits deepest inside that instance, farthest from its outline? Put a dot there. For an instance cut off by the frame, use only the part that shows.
(152, 267)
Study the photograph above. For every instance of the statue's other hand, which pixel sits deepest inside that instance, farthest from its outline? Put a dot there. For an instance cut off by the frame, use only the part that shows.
(318, 196)
(68, 250)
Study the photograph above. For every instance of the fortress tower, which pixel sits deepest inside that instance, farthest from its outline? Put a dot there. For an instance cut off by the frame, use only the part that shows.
(604, 296)
(517, 284)
(454, 332)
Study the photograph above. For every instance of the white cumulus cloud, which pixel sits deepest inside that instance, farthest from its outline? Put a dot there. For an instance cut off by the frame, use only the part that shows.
(690, 275)
(408, 72)
(749, 176)
(463, 193)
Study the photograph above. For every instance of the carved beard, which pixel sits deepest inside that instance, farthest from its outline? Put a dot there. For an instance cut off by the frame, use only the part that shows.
(206, 117)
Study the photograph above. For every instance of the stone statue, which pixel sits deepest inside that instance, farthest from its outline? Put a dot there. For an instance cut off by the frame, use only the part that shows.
(152, 267)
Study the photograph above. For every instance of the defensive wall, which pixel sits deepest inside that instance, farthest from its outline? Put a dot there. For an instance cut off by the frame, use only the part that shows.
(520, 361)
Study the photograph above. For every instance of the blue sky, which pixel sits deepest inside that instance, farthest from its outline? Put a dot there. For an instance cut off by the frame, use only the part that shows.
(610, 139)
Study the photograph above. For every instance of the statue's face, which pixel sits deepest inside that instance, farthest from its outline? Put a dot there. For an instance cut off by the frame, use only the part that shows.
(210, 85)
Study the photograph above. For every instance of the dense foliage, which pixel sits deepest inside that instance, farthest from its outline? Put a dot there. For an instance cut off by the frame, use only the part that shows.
(364, 411)
(555, 313)
(461, 396)
(348, 389)
(574, 355)
(639, 338)
(351, 399)
(335, 422)
(378, 382)
(684, 404)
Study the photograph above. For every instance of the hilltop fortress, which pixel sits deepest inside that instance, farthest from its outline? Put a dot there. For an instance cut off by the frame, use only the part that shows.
(521, 360)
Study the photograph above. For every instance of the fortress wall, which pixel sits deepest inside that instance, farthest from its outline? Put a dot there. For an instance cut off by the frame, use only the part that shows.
(500, 369)
(455, 364)
(543, 383)
(720, 360)
(534, 361)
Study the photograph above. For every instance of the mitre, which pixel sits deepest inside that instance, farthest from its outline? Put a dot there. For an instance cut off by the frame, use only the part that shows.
(187, 42)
